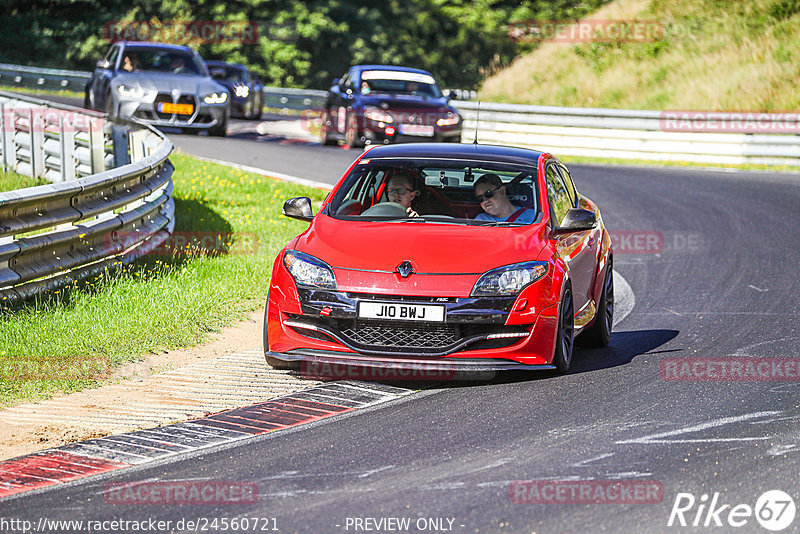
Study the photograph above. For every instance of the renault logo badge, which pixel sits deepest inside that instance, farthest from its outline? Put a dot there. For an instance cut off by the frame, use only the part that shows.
(405, 269)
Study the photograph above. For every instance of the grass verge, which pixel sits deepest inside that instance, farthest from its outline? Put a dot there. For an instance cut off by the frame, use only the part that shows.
(69, 340)
(41, 92)
(11, 180)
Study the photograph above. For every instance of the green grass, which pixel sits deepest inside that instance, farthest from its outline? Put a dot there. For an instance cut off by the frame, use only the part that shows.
(731, 55)
(70, 339)
(41, 92)
(11, 180)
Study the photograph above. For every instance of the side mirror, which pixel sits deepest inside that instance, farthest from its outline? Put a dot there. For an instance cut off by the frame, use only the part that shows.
(576, 220)
(335, 82)
(298, 208)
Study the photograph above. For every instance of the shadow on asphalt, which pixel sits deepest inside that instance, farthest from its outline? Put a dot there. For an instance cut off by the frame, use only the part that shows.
(623, 348)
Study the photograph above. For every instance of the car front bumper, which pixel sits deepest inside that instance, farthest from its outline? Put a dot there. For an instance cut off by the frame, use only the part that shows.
(204, 115)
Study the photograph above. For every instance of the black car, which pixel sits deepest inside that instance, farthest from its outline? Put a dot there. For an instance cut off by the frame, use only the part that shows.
(247, 91)
(385, 104)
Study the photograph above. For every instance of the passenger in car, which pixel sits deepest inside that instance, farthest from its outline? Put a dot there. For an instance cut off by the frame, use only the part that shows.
(400, 190)
(491, 194)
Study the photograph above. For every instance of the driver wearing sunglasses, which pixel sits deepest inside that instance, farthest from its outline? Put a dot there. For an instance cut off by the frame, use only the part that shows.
(491, 194)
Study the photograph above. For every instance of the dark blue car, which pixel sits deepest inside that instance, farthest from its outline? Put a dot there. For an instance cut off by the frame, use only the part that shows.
(247, 91)
(385, 104)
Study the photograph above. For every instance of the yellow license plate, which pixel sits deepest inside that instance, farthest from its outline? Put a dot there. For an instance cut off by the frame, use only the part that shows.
(178, 109)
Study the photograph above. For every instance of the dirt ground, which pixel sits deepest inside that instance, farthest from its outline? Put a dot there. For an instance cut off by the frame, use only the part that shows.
(20, 437)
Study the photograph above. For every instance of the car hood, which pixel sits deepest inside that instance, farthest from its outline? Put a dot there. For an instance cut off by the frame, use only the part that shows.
(164, 82)
(403, 102)
(430, 247)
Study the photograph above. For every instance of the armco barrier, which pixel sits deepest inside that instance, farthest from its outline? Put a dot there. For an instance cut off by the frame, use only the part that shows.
(83, 223)
(621, 133)
(594, 132)
(20, 76)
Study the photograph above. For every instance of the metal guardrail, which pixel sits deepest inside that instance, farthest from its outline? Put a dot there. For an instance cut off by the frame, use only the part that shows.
(593, 132)
(53, 234)
(625, 134)
(57, 79)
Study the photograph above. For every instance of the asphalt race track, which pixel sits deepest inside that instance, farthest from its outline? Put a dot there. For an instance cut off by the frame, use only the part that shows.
(706, 256)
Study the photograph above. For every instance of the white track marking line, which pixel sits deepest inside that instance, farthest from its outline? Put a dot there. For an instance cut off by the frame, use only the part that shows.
(657, 438)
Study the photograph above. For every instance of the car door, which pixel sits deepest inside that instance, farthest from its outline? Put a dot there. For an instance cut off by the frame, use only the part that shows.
(577, 249)
(341, 102)
(101, 77)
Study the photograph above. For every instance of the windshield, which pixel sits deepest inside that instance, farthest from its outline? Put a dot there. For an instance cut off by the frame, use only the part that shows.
(229, 74)
(438, 191)
(399, 82)
(160, 60)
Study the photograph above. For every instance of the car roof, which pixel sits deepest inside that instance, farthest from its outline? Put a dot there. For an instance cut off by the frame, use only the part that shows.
(361, 68)
(464, 151)
(151, 44)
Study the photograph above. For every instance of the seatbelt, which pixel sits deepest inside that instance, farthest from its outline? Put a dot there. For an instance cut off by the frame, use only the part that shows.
(516, 214)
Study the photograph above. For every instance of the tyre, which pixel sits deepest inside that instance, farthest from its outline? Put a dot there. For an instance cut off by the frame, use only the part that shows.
(352, 139)
(220, 129)
(599, 334)
(109, 105)
(325, 132)
(271, 360)
(564, 334)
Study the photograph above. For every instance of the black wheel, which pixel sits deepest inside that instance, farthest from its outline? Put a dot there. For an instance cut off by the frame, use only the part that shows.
(271, 360)
(352, 139)
(220, 129)
(109, 105)
(564, 335)
(325, 132)
(599, 334)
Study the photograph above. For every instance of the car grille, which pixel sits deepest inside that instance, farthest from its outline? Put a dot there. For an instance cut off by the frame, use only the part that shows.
(392, 335)
(162, 97)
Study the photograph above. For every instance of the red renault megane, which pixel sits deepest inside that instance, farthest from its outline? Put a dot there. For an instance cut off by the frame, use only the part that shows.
(464, 257)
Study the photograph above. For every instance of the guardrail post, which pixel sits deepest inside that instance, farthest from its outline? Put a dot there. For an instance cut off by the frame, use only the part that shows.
(3, 140)
(96, 147)
(37, 143)
(67, 132)
(119, 141)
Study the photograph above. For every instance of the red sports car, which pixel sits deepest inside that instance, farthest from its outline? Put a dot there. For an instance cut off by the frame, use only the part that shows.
(461, 257)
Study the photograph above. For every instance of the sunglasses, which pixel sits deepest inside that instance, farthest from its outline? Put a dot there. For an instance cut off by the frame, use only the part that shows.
(487, 195)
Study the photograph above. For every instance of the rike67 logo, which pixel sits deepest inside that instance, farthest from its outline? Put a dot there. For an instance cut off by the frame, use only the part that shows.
(774, 510)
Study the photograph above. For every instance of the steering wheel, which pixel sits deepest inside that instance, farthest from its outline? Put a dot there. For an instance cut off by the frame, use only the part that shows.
(386, 209)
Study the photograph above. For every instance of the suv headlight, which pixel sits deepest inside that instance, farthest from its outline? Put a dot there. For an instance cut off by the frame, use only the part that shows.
(509, 280)
(377, 114)
(216, 98)
(308, 270)
(449, 119)
(131, 91)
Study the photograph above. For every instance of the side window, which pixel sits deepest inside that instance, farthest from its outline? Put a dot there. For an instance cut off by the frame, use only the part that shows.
(560, 201)
(111, 57)
(573, 193)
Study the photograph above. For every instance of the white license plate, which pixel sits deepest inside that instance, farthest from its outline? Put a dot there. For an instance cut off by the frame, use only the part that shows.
(403, 312)
(416, 129)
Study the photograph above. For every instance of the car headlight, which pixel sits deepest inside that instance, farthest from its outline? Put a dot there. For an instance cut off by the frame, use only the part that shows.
(216, 98)
(131, 91)
(377, 114)
(449, 119)
(308, 270)
(241, 91)
(509, 280)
